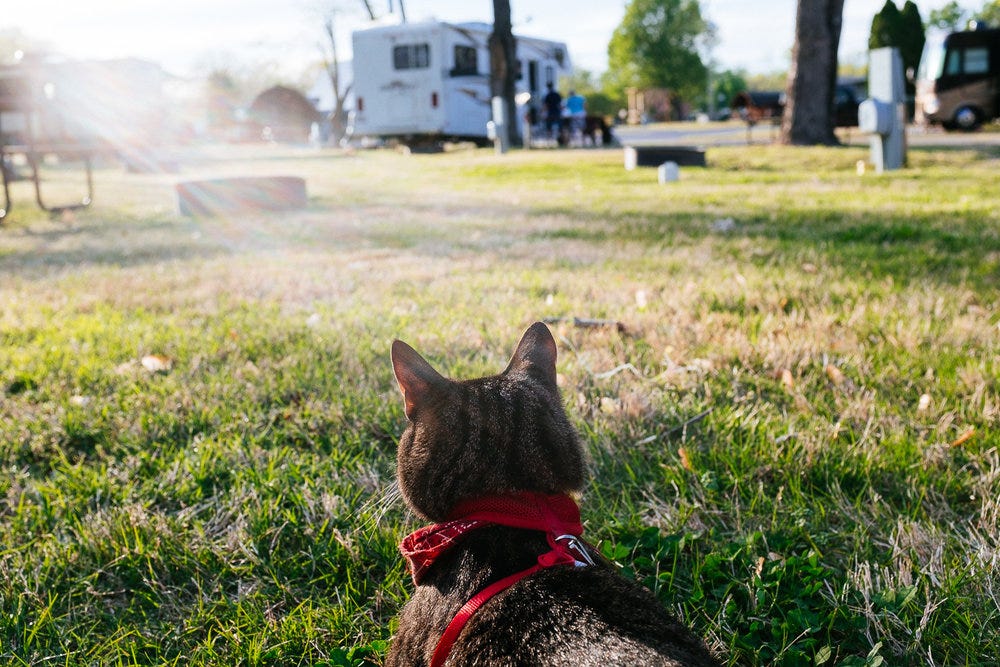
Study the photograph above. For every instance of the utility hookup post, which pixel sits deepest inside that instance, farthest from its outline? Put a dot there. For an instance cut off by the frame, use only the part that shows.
(883, 114)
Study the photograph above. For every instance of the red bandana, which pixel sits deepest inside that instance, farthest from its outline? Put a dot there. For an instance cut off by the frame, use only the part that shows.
(424, 546)
(557, 516)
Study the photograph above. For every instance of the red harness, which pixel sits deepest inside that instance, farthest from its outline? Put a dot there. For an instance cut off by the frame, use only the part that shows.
(557, 516)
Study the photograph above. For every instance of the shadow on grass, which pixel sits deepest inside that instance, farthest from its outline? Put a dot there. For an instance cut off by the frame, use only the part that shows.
(939, 246)
(979, 151)
(37, 247)
(33, 265)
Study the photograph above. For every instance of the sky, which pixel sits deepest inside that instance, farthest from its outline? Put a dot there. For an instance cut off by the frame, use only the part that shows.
(184, 35)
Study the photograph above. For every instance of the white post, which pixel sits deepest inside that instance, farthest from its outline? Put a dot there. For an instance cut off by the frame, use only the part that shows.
(502, 140)
(884, 113)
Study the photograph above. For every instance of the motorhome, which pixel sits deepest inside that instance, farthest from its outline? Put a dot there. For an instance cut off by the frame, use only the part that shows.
(425, 81)
(958, 82)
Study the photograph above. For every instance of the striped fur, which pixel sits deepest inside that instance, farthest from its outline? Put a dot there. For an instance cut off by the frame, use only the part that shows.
(497, 435)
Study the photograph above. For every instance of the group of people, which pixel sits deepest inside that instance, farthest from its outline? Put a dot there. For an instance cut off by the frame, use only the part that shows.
(573, 109)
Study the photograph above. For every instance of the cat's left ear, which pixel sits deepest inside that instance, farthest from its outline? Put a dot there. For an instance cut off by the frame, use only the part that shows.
(536, 350)
(416, 377)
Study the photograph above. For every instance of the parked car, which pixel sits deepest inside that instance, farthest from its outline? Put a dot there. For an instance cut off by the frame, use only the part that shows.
(755, 106)
(846, 98)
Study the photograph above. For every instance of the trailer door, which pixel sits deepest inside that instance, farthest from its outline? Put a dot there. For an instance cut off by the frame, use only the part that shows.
(397, 81)
(412, 97)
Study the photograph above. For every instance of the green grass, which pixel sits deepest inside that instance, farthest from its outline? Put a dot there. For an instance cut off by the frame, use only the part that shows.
(771, 437)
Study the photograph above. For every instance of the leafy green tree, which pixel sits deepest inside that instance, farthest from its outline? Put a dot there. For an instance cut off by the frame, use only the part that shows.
(599, 101)
(910, 39)
(775, 80)
(726, 85)
(657, 46)
(885, 26)
(990, 13)
(951, 16)
(903, 30)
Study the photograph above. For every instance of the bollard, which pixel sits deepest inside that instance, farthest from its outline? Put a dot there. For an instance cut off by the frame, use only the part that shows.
(631, 158)
(502, 138)
(668, 172)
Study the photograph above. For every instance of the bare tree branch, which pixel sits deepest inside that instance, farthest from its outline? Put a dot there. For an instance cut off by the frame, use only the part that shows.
(331, 62)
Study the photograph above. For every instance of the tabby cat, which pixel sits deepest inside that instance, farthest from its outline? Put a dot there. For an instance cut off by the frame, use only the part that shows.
(493, 461)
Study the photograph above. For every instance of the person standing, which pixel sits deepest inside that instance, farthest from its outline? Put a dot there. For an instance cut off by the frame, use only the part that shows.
(576, 109)
(552, 103)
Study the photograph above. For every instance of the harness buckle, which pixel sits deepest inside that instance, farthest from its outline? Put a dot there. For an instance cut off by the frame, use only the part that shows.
(576, 549)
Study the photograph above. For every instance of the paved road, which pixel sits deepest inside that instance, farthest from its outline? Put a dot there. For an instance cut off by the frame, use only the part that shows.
(735, 133)
(688, 134)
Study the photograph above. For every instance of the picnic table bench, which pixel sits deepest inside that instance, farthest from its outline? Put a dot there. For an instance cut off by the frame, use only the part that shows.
(653, 155)
(34, 126)
(35, 155)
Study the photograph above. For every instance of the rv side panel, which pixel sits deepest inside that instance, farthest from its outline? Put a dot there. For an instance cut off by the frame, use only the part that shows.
(397, 80)
(958, 82)
(432, 79)
(466, 77)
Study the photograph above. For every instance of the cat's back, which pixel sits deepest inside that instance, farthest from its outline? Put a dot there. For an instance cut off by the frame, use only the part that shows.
(495, 463)
(581, 617)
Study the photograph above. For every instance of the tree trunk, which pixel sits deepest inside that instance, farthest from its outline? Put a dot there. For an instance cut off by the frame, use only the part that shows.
(503, 65)
(808, 118)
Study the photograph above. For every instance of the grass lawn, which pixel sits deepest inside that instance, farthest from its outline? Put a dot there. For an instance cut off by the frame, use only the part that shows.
(793, 436)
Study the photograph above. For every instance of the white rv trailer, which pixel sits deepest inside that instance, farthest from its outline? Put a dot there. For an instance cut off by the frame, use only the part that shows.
(428, 80)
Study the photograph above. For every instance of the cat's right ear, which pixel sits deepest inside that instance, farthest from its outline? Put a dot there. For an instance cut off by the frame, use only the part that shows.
(537, 349)
(414, 376)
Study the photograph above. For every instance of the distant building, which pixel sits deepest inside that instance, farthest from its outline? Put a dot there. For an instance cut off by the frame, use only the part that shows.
(654, 105)
(283, 114)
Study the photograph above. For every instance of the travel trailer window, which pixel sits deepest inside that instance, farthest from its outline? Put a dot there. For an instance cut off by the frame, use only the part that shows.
(977, 60)
(953, 65)
(970, 60)
(411, 56)
(465, 61)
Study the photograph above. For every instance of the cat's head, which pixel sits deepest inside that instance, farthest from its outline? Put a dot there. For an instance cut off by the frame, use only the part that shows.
(490, 436)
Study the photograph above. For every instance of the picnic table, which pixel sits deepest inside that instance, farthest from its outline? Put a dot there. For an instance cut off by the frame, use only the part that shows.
(35, 126)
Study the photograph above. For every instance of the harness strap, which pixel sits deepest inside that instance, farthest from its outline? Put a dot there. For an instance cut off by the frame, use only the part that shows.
(557, 516)
(566, 550)
(454, 628)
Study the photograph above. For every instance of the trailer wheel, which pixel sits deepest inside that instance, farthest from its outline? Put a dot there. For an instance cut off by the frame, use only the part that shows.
(967, 119)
